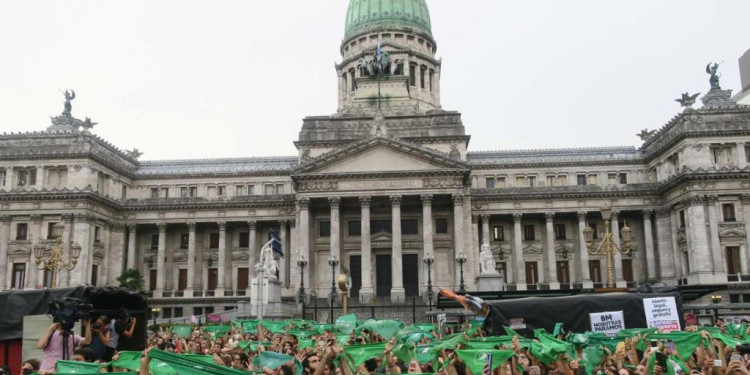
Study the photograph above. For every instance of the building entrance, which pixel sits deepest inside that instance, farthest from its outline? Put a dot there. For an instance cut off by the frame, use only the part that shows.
(411, 274)
(355, 268)
(383, 275)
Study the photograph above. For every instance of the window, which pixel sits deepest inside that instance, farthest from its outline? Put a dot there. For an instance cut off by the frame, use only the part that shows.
(22, 231)
(355, 227)
(560, 232)
(193, 191)
(432, 77)
(197, 311)
(674, 163)
(380, 225)
(623, 178)
(733, 260)
(563, 272)
(279, 188)
(409, 226)
(528, 233)
(682, 219)
(500, 182)
(734, 298)
(239, 190)
(324, 229)
(727, 210)
(412, 75)
(51, 230)
(19, 275)
(57, 177)
(222, 191)
(97, 234)
(497, 233)
(166, 312)
(26, 177)
(242, 278)
(557, 180)
(94, 274)
(213, 241)
(183, 192)
(3, 177)
(612, 178)
(209, 309)
(47, 282)
(627, 270)
(721, 154)
(595, 271)
(441, 225)
(353, 81)
(422, 77)
(244, 240)
(154, 241)
(531, 180)
(270, 189)
(182, 279)
(490, 182)
(124, 192)
(581, 178)
(184, 240)
(154, 193)
(165, 192)
(593, 179)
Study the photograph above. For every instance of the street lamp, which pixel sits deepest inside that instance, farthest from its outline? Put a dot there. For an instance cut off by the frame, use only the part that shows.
(154, 312)
(55, 262)
(608, 246)
(302, 263)
(716, 300)
(461, 259)
(428, 260)
(333, 262)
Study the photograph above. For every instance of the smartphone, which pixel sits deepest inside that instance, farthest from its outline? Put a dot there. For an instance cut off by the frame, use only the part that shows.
(534, 370)
(735, 357)
(717, 363)
(661, 360)
(670, 345)
(654, 345)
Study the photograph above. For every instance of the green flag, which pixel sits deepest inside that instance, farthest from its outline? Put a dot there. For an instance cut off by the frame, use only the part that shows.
(129, 360)
(182, 331)
(385, 328)
(361, 353)
(684, 342)
(346, 323)
(217, 331)
(73, 367)
(188, 365)
(476, 359)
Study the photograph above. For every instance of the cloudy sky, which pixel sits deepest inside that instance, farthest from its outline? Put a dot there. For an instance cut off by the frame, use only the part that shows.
(195, 79)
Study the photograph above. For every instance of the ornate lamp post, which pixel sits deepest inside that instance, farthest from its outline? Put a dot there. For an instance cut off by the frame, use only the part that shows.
(461, 259)
(155, 312)
(428, 260)
(608, 246)
(716, 300)
(302, 263)
(55, 262)
(333, 262)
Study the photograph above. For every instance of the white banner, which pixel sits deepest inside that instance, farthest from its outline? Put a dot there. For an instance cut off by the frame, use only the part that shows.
(661, 313)
(609, 322)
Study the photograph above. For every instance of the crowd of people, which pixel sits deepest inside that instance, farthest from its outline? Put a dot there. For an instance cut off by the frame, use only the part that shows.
(351, 347)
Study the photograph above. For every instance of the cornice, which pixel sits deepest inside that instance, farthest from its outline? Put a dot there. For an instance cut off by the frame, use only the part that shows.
(699, 174)
(505, 165)
(172, 204)
(165, 176)
(385, 174)
(562, 192)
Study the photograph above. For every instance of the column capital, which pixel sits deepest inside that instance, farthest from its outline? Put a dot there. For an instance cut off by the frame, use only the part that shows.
(222, 225)
(5, 219)
(303, 203)
(474, 218)
(292, 223)
(693, 200)
(282, 222)
(83, 218)
(36, 219)
(68, 217)
(712, 199)
(162, 226)
(458, 199)
(745, 198)
(395, 200)
(426, 199)
(485, 218)
(191, 225)
(550, 216)
(582, 215)
(517, 217)
(131, 226)
(615, 214)
(663, 212)
(365, 200)
(335, 202)
(252, 224)
(647, 213)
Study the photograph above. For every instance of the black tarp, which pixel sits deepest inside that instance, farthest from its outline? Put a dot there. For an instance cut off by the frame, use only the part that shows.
(572, 311)
(14, 305)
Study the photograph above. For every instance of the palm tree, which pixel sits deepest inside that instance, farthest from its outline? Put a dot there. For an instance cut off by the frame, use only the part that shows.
(131, 279)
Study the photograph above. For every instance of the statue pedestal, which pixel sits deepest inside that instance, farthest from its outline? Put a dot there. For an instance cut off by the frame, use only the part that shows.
(490, 282)
(271, 300)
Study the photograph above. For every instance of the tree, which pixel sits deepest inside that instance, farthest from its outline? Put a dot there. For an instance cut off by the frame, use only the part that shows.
(131, 279)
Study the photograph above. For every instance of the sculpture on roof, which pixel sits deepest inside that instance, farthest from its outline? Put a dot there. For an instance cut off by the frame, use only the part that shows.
(486, 260)
(88, 124)
(399, 71)
(363, 67)
(69, 95)
(687, 100)
(713, 69)
(646, 134)
(134, 153)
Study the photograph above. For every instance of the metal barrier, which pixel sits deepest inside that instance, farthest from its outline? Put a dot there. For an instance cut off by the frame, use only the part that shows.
(408, 311)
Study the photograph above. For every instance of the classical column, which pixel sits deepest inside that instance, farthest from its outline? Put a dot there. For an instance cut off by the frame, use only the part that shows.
(4, 244)
(39, 177)
(82, 237)
(160, 266)
(518, 264)
(222, 258)
(304, 239)
(475, 247)
(583, 252)
(649, 243)
(366, 292)
(551, 274)
(741, 155)
(293, 253)
(427, 232)
(665, 270)
(680, 265)
(615, 228)
(745, 199)
(65, 277)
(285, 267)
(190, 287)
(398, 294)
(131, 245)
(116, 253)
(717, 256)
(335, 237)
(486, 229)
(700, 262)
(107, 260)
(35, 238)
(252, 256)
(458, 233)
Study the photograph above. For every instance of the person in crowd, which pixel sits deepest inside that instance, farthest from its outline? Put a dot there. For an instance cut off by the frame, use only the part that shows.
(52, 343)
(30, 366)
(100, 337)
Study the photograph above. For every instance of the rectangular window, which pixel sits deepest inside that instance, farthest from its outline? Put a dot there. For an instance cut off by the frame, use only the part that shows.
(623, 178)
(593, 179)
(734, 298)
(441, 225)
(51, 230)
(353, 80)
(421, 77)
(611, 178)
(497, 233)
(184, 240)
(183, 192)
(355, 227)
(380, 225)
(94, 274)
(627, 270)
(213, 241)
(581, 178)
(270, 189)
(165, 192)
(531, 181)
(409, 226)
(124, 192)
(213, 278)
(490, 182)
(727, 210)
(500, 182)
(682, 219)
(154, 193)
(166, 312)
(432, 77)
(193, 191)
(279, 188)
(244, 240)
(47, 282)
(412, 75)
(595, 271)
(222, 191)
(182, 279)
(22, 231)
(722, 155)
(563, 273)
(324, 229)
(197, 311)
(520, 181)
(550, 180)
(154, 241)
(560, 232)
(528, 233)
(97, 234)
(19, 275)
(239, 190)
(242, 278)
(733, 260)
(250, 190)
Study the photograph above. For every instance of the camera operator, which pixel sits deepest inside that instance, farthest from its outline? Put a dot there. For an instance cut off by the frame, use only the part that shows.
(53, 345)
(100, 337)
(118, 328)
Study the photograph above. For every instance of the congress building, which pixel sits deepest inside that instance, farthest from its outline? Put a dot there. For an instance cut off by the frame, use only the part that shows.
(381, 185)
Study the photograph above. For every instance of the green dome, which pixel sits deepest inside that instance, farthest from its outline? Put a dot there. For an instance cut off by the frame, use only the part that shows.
(379, 14)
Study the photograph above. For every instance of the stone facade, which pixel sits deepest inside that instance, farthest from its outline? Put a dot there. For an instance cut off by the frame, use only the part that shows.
(380, 184)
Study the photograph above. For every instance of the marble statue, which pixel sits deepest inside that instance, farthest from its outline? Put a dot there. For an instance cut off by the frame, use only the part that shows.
(486, 260)
(69, 95)
(269, 263)
(363, 70)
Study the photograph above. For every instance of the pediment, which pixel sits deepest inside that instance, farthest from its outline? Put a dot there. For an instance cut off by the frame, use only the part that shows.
(379, 154)
(381, 236)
